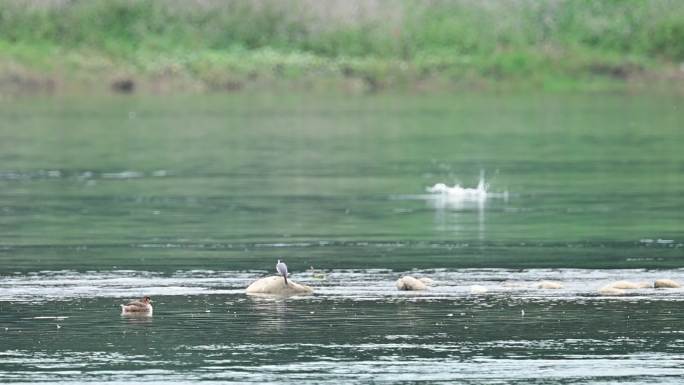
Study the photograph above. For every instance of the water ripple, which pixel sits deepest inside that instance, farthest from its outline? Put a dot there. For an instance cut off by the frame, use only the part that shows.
(357, 284)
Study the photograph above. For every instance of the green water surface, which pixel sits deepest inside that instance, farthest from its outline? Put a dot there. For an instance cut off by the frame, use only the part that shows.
(154, 188)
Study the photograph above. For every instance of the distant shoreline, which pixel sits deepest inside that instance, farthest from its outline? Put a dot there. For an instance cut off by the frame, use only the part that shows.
(316, 74)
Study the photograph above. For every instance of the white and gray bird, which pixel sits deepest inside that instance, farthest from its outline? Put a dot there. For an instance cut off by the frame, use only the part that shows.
(281, 268)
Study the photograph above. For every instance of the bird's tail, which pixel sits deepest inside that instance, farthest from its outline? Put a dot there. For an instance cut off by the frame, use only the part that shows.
(285, 278)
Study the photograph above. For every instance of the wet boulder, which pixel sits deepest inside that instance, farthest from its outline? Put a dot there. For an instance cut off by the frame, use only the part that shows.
(666, 283)
(611, 291)
(550, 285)
(478, 289)
(627, 285)
(409, 283)
(275, 285)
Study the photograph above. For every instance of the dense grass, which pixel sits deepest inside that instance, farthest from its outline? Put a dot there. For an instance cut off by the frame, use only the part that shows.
(381, 42)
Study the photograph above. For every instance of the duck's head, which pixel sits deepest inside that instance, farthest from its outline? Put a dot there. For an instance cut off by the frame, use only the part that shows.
(147, 299)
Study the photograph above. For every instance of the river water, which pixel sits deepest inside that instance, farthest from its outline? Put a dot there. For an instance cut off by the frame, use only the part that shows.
(190, 199)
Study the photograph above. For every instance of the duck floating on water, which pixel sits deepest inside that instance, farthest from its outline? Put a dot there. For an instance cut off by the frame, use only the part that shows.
(144, 305)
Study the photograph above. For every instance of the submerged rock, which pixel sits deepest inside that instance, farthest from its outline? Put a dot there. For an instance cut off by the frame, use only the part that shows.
(550, 285)
(275, 285)
(666, 283)
(478, 289)
(610, 290)
(514, 284)
(629, 285)
(409, 283)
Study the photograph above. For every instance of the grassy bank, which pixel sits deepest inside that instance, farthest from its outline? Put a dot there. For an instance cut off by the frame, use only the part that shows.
(371, 45)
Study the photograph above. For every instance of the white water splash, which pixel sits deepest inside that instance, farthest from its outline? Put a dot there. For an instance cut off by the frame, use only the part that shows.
(457, 197)
(458, 193)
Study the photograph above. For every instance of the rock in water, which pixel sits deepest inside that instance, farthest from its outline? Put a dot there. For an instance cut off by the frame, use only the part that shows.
(550, 285)
(427, 281)
(275, 285)
(409, 283)
(609, 290)
(629, 285)
(478, 289)
(666, 283)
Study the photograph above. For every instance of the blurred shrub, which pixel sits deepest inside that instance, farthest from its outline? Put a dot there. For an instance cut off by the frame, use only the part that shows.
(401, 29)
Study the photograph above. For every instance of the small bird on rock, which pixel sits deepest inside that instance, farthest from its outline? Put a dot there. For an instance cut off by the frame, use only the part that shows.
(281, 268)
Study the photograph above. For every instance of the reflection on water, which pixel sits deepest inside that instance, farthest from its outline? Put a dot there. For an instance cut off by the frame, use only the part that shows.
(137, 318)
(273, 311)
(449, 213)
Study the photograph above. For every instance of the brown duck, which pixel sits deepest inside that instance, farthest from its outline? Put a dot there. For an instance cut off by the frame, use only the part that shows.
(144, 305)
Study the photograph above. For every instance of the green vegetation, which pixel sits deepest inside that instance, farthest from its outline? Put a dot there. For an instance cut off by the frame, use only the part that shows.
(211, 44)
